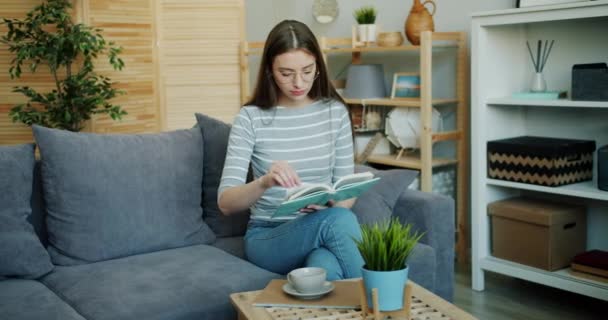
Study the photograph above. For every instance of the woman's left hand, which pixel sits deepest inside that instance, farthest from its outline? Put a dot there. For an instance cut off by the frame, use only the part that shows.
(315, 207)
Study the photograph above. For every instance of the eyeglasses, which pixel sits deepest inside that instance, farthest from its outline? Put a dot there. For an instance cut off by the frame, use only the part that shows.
(285, 77)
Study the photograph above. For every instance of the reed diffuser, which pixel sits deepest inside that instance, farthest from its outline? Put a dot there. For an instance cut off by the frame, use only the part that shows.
(543, 50)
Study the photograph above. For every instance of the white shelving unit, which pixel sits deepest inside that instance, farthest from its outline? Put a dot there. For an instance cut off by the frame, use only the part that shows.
(501, 66)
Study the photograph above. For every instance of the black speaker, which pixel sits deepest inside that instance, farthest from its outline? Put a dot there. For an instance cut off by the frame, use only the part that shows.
(602, 168)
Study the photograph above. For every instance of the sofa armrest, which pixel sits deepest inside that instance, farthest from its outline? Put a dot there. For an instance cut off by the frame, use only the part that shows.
(433, 214)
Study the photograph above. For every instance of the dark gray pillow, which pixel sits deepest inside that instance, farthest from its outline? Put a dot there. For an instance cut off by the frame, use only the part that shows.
(21, 253)
(110, 196)
(215, 137)
(378, 202)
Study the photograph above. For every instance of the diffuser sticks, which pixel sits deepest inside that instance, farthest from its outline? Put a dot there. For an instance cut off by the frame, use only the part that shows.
(542, 54)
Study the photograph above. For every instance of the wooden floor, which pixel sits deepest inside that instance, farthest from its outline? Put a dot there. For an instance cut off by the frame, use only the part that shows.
(509, 298)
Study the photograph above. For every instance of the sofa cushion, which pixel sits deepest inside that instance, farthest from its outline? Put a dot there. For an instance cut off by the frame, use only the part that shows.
(110, 196)
(215, 137)
(22, 254)
(422, 265)
(378, 202)
(32, 300)
(185, 283)
(233, 245)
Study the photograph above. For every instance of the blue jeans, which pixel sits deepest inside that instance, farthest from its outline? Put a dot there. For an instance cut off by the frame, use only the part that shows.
(319, 239)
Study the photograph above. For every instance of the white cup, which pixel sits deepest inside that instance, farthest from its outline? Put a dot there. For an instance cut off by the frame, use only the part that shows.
(307, 280)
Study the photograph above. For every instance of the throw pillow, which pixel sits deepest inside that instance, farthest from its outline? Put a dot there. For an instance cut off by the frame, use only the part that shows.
(110, 196)
(378, 202)
(215, 136)
(22, 254)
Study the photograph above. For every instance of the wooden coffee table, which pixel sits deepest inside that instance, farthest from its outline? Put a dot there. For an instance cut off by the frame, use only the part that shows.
(425, 305)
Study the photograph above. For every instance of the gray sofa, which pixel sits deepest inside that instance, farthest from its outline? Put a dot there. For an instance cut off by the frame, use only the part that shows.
(98, 228)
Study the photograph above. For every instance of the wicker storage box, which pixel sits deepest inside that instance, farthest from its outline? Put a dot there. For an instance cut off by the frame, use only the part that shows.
(537, 233)
(543, 161)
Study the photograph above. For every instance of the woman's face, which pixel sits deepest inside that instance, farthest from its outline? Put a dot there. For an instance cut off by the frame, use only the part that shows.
(294, 72)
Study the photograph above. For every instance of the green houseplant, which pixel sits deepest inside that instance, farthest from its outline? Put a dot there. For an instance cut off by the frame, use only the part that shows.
(365, 15)
(385, 248)
(366, 18)
(48, 36)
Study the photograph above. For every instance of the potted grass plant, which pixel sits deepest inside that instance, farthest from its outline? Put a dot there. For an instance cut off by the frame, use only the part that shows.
(366, 20)
(385, 247)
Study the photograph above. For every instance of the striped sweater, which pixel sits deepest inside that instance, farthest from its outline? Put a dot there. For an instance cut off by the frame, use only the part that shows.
(315, 140)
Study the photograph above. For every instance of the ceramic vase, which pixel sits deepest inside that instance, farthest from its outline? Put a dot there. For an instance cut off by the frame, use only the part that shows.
(390, 285)
(538, 83)
(419, 19)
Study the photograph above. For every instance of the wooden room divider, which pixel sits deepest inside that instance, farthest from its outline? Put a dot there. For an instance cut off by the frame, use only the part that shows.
(181, 57)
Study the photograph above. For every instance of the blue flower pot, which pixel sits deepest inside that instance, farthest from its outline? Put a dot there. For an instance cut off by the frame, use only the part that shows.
(390, 285)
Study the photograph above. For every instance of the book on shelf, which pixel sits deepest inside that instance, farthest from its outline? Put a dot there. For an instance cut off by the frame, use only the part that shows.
(347, 187)
(547, 95)
(594, 262)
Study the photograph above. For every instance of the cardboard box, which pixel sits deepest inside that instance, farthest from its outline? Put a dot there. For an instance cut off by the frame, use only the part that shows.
(537, 233)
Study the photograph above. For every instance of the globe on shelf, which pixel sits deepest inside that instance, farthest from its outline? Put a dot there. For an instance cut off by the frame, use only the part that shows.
(402, 127)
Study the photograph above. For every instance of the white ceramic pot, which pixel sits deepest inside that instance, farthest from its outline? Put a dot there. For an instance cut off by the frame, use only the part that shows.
(371, 33)
(362, 32)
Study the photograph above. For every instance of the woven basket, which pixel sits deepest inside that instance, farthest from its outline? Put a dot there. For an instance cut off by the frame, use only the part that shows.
(390, 39)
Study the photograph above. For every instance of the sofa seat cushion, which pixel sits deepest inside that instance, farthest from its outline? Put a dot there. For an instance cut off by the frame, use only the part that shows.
(185, 283)
(21, 252)
(28, 299)
(111, 196)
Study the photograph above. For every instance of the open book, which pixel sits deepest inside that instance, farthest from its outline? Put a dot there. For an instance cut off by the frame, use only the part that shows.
(347, 187)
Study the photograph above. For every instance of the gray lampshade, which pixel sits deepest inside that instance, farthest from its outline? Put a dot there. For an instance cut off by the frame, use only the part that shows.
(365, 81)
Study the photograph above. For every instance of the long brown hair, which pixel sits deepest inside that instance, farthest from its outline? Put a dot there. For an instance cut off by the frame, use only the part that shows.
(286, 36)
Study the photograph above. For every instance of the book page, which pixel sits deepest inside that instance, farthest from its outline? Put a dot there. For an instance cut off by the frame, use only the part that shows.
(306, 189)
(353, 178)
(353, 190)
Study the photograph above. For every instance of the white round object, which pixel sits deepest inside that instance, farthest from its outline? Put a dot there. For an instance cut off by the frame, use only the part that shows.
(325, 11)
(403, 126)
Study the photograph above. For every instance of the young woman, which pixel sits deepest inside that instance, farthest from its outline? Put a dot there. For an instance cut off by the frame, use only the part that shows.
(295, 129)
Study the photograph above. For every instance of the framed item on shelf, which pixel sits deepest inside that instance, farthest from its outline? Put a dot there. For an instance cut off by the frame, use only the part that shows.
(405, 85)
(533, 3)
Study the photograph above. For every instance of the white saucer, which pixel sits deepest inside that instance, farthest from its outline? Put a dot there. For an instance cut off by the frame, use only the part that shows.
(327, 288)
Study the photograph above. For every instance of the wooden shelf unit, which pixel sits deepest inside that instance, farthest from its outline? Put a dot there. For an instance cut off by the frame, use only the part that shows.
(424, 160)
(502, 66)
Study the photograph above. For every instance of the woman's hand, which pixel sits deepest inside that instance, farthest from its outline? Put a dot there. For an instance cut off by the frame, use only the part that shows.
(280, 174)
(314, 207)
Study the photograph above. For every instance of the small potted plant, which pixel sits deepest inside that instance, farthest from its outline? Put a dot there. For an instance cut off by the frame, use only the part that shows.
(366, 18)
(385, 248)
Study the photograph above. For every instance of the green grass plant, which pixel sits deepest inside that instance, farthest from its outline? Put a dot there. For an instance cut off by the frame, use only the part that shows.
(365, 15)
(385, 246)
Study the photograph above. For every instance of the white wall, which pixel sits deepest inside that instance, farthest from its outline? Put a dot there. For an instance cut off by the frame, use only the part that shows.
(451, 15)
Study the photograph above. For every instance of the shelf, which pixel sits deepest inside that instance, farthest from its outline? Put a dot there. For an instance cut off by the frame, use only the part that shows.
(561, 279)
(384, 49)
(548, 103)
(363, 130)
(538, 9)
(399, 103)
(587, 189)
(407, 161)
